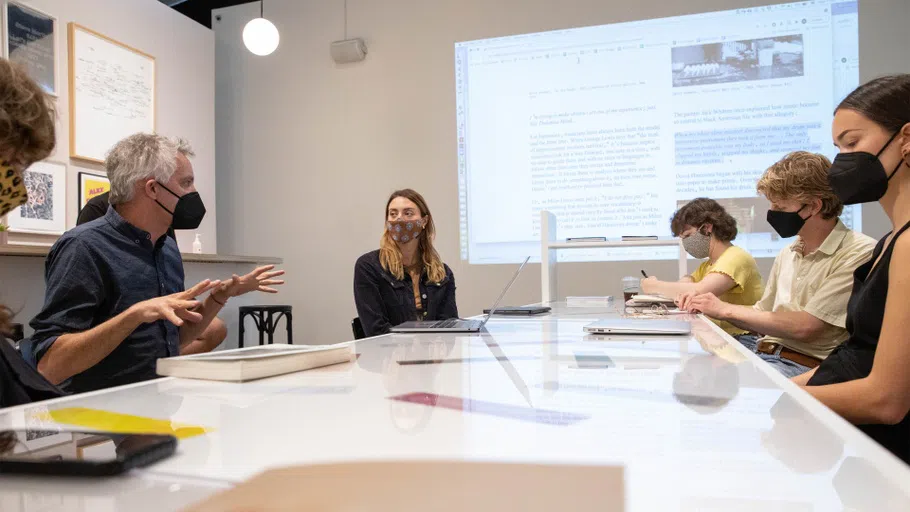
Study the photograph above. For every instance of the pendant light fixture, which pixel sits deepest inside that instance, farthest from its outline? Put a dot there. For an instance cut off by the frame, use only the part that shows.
(260, 36)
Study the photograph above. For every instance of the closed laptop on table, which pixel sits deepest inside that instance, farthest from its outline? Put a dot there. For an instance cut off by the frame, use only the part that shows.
(638, 326)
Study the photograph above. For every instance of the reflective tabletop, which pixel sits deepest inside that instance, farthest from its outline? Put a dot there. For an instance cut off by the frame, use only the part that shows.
(698, 422)
(137, 491)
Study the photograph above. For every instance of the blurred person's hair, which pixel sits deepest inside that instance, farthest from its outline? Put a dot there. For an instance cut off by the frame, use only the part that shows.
(27, 118)
(27, 131)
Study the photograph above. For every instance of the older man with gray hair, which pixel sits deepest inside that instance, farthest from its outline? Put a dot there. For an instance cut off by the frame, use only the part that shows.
(216, 332)
(115, 300)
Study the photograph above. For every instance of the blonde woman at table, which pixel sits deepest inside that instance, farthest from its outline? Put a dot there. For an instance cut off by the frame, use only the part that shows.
(865, 379)
(27, 135)
(405, 279)
(707, 231)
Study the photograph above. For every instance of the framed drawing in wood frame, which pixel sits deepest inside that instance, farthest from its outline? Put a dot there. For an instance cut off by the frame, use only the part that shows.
(30, 39)
(112, 92)
(45, 211)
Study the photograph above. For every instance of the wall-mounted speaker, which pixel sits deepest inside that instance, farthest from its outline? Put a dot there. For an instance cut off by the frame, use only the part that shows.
(348, 50)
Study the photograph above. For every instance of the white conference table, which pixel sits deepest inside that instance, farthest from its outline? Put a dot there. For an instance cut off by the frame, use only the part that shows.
(698, 422)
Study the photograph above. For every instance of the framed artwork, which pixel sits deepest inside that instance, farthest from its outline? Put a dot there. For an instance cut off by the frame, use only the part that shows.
(30, 39)
(37, 439)
(112, 92)
(38, 431)
(45, 211)
(91, 185)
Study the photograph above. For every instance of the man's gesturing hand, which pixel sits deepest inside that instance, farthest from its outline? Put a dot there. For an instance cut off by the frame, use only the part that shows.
(175, 308)
(260, 279)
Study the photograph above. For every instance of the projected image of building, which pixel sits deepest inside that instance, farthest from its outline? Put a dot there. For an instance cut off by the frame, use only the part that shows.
(738, 61)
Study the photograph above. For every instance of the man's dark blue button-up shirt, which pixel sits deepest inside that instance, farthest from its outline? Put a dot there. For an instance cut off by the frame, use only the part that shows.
(95, 272)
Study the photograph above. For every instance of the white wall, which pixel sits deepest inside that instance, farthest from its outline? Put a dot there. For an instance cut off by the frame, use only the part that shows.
(308, 151)
(184, 60)
(184, 52)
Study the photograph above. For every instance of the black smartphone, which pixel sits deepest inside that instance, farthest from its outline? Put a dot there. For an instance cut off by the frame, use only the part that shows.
(80, 453)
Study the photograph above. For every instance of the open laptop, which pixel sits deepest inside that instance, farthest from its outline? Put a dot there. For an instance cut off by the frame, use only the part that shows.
(457, 324)
(638, 326)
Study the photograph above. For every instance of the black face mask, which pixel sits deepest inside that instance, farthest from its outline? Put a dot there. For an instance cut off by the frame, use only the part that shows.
(786, 224)
(859, 177)
(189, 211)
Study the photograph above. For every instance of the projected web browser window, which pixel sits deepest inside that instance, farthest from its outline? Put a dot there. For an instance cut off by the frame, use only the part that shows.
(613, 127)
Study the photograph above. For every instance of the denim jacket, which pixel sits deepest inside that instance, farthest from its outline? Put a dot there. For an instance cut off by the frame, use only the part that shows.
(383, 301)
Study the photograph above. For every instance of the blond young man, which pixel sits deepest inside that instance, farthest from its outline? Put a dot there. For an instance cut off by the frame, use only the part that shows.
(802, 315)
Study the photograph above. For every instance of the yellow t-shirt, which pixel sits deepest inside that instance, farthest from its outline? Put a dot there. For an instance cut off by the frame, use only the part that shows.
(739, 266)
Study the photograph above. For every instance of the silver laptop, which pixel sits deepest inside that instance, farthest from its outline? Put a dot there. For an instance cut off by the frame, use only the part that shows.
(457, 324)
(638, 326)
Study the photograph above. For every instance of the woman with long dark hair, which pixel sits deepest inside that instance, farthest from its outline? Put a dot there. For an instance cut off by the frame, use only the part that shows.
(405, 279)
(865, 379)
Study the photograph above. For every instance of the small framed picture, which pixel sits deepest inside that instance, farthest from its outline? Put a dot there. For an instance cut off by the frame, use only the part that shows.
(45, 211)
(39, 432)
(91, 185)
(30, 39)
(38, 439)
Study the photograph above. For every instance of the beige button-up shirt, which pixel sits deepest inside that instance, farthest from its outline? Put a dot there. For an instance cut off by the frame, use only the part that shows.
(819, 283)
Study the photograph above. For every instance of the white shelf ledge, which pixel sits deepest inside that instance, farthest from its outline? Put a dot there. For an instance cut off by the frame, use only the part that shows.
(673, 242)
(40, 251)
(549, 245)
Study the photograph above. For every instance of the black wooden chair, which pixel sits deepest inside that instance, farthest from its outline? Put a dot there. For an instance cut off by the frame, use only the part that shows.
(266, 319)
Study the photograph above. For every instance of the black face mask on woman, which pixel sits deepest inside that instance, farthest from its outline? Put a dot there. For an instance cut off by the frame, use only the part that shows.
(859, 177)
(189, 211)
